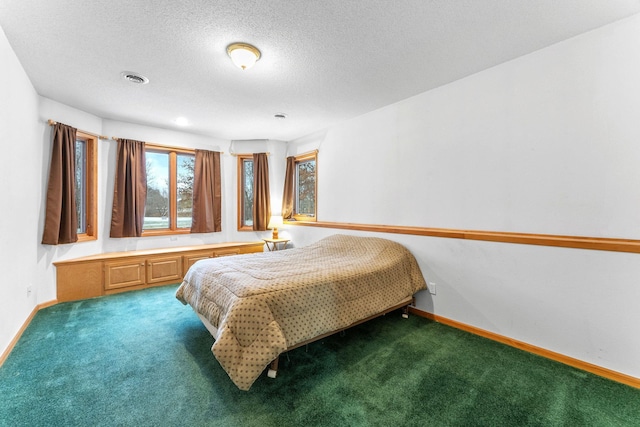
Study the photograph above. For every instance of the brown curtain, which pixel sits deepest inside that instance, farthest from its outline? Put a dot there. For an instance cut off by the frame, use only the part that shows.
(287, 193)
(207, 193)
(130, 190)
(61, 218)
(261, 201)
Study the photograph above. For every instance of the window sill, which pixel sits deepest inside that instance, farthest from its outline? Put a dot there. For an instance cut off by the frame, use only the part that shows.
(165, 232)
(302, 219)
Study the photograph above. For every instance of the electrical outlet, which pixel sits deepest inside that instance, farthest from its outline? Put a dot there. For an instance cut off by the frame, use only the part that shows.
(432, 288)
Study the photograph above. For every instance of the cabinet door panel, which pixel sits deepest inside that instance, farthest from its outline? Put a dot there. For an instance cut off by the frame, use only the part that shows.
(164, 269)
(192, 258)
(257, 247)
(226, 252)
(79, 281)
(124, 273)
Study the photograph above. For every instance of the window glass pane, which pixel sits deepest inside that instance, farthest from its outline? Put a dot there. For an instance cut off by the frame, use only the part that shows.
(306, 188)
(81, 179)
(186, 165)
(247, 193)
(156, 214)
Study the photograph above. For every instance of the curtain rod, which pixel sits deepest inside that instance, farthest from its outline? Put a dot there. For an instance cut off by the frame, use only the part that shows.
(53, 123)
(306, 153)
(309, 152)
(247, 154)
(163, 147)
(150, 144)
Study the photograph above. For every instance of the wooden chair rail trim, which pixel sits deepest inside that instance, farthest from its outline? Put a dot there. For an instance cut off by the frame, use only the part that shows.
(15, 339)
(576, 242)
(548, 354)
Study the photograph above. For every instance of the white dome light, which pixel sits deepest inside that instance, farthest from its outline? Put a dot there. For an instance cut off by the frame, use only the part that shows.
(243, 55)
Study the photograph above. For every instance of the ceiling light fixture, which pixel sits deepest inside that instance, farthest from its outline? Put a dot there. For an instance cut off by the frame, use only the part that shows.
(182, 121)
(243, 55)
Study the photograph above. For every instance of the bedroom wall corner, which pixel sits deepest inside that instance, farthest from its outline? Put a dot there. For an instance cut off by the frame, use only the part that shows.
(277, 150)
(20, 175)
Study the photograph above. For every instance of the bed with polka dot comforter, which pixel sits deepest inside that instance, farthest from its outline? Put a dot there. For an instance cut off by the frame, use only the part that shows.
(262, 304)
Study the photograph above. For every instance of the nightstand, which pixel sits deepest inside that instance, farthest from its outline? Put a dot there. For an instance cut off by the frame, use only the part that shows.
(272, 244)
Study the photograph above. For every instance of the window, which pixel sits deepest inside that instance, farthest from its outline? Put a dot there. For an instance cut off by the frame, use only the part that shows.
(305, 187)
(169, 190)
(86, 186)
(245, 192)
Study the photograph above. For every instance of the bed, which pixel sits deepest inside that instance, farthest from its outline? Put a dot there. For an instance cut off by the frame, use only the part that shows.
(258, 306)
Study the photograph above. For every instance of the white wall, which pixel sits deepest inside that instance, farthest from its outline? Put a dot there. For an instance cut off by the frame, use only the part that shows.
(546, 143)
(20, 191)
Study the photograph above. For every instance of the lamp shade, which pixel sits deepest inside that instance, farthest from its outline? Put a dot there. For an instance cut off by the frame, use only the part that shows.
(243, 55)
(274, 222)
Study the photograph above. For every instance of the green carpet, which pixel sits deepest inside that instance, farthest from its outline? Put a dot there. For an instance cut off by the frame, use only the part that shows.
(143, 359)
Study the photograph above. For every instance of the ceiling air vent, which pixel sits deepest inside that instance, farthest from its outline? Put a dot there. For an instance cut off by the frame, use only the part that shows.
(134, 77)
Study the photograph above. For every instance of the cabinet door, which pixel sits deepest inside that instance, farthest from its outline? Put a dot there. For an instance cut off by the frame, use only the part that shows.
(251, 248)
(190, 259)
(164, 269)
(226, 252)
(122, 274)
(79, 281)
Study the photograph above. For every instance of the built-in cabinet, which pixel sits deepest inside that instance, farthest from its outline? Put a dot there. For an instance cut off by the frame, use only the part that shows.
(113, 272)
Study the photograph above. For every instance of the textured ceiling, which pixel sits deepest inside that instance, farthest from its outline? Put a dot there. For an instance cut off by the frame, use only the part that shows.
(322, 62)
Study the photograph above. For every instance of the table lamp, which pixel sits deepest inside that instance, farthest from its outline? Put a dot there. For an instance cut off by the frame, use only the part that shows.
(274, 223)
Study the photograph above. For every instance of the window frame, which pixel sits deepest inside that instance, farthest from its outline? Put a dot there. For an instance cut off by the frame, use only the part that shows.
(302, 158)
(173, 189)
(90, 195)
(240, 191)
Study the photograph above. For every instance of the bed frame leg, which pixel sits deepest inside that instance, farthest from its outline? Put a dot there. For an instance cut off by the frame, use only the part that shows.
(273, 368)
(405, 312)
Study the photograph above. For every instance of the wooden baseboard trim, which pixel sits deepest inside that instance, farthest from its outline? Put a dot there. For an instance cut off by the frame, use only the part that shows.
(576, 363)
(26, 323)
(576, 242)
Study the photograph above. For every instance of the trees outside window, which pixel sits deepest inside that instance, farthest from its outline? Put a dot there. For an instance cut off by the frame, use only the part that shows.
(169, 190)
(86, 186)
(245, 192)
(184, 201)
(305, 185)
